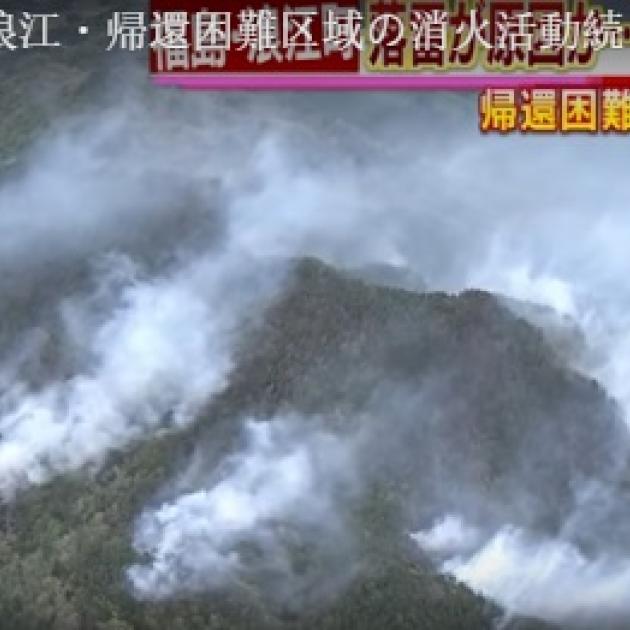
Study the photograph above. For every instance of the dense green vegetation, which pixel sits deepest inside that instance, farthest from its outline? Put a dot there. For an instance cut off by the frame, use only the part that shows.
(326, 344)
(473, 396)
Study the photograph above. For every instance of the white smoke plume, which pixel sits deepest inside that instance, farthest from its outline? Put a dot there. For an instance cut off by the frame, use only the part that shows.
(159, 352)
(532, 574)
(280, 490)
(152, 340)
(575, 300)
(395, 179)
(450, 535)
(547, 578)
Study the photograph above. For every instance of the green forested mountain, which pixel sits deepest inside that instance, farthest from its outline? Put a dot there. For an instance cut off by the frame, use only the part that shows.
(326, 347)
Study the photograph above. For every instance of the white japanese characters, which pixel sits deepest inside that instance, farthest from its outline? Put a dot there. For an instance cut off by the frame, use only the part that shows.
(182, 40)
(26, 30)
(127, 30)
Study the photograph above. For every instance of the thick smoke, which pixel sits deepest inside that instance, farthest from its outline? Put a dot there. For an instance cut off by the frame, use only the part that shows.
(448, 536)
(158, 351)
(126, 292)
(253, 515)
(200, 190)
(533, 575)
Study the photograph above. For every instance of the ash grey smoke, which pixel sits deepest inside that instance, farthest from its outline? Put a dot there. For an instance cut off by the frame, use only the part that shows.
(391, 180)
(158, 350)
(276, 498)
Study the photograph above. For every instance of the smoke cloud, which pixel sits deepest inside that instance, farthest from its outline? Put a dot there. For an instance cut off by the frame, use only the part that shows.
(160, 350)
(257, 511)
(534, 575)
(135, 272)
